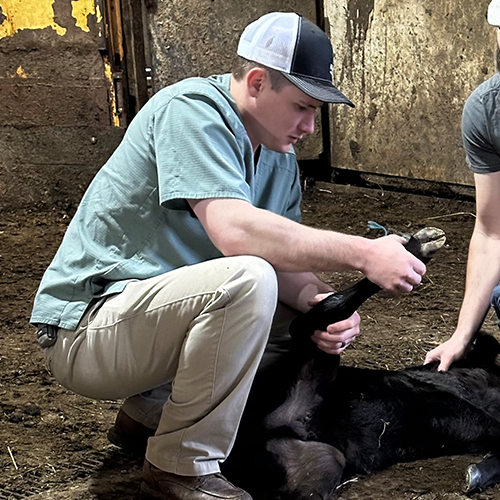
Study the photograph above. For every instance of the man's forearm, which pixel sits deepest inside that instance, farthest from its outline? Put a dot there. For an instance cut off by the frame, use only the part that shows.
(287, 245)
(483, 274)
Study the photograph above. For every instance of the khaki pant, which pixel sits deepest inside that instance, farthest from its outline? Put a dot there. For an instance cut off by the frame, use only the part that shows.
(203, 326)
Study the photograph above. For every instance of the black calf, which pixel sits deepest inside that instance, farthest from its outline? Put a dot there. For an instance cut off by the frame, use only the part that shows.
(310, 423)
(364, 421)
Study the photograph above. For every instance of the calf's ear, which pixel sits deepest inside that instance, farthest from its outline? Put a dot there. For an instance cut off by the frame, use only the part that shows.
(313, 470)
(484, 352)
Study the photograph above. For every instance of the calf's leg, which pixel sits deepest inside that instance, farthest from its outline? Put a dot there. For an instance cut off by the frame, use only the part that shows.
(340, 305)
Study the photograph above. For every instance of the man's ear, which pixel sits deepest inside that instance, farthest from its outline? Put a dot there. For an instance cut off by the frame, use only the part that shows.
(256, 80)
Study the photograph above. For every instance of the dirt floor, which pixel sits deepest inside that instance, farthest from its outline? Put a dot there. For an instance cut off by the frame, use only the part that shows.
(53, 443)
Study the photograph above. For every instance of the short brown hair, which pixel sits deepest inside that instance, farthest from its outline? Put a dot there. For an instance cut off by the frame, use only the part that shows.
(242, 66)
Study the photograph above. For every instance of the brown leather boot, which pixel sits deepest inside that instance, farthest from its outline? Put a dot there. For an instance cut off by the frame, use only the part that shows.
(167, 486)
(129, 435)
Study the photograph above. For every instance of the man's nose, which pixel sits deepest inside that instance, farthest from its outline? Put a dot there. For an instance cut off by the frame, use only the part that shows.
(307, 124)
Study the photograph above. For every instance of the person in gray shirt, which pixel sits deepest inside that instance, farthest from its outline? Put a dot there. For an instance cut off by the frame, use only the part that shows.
(481, 137)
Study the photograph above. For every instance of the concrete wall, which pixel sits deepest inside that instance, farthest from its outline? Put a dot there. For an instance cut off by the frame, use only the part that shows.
(57, 124)
(408, 66)
(199, 38)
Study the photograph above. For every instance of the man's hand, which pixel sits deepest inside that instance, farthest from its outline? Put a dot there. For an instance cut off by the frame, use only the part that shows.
(338, 335)
(391, 266)
(448, 352)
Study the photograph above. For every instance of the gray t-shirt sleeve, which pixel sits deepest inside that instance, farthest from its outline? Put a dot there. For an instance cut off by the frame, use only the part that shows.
(481, 132)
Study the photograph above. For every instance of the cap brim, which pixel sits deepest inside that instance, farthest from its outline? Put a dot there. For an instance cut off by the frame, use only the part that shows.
(317, 89)
(494, 15)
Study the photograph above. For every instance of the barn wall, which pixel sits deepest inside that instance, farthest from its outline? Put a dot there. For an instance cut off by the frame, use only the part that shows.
(408, 66)
(199, 38)
(57, 121)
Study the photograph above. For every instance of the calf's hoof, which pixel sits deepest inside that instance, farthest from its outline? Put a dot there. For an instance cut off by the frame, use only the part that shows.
(472, 480)
(427, 242)
(483, 475)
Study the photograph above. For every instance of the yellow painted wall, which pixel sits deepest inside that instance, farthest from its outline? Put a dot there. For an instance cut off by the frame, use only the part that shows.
(58, 114)
(39, 14)
(19, 15)
(82, 9)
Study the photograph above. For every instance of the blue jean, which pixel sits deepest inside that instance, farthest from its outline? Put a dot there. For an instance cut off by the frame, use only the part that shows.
(495, 302)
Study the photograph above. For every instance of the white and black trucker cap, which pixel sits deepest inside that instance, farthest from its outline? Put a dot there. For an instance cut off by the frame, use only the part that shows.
(298, 49)
(494, 13)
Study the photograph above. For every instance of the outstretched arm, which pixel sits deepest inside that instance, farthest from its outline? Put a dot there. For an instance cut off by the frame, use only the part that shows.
(238, 228)
(483, 272)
